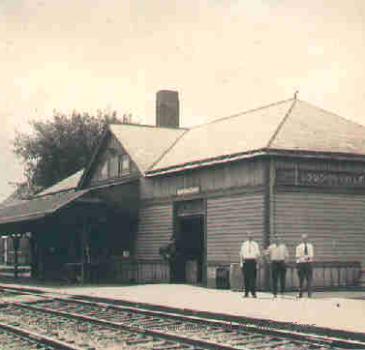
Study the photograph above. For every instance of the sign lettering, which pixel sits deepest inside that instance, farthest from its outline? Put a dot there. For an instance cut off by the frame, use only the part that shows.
(320, 178)
(187, 190)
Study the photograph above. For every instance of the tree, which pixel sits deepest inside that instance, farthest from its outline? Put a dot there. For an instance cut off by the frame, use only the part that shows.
(59, 147)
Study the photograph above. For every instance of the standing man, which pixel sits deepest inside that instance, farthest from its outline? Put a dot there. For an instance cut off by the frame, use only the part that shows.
(168, 253)
(248, 260)
(304, 254)
(278, 255)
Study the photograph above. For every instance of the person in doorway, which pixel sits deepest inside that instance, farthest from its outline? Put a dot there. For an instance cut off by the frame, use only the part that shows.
(278, 255)
(168, 253)
(304, 254)
(249, 254)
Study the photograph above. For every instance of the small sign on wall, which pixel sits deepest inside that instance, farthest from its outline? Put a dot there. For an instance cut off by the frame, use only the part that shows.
(187, 191)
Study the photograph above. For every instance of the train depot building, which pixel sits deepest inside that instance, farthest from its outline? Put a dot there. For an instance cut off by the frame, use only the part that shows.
(287, 168)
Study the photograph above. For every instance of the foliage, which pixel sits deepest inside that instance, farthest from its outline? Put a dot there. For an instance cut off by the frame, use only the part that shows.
(59, 147)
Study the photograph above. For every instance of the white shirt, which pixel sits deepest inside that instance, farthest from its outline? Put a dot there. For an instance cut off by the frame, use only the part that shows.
(278, 252)
(301, 256)
(249, 250)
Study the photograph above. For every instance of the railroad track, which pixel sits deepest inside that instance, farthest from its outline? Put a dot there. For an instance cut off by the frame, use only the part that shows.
(68, 332)
(15, 338)
(90, 325)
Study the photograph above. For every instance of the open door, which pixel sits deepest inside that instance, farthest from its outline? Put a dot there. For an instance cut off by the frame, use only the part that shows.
(190, 242)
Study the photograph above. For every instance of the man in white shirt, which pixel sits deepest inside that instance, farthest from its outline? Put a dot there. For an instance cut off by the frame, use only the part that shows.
(248, 260)
(304, 254)
(278, 255)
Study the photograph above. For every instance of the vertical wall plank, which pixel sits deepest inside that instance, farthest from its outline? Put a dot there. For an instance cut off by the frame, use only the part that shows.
(228, 219)
(154, 230)
(335, 223)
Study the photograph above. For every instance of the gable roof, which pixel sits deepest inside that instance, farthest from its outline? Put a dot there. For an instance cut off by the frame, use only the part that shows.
(67, 184)
(145, 144)
(290, 125)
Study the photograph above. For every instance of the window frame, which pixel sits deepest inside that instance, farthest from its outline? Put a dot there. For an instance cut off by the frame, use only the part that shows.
(124, 159)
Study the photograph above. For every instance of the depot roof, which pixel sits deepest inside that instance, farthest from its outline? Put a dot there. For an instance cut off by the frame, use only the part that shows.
(290, 125)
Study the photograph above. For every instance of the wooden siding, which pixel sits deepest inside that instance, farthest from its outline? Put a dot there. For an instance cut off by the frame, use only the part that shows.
(248, 173)
(228, 219)
(154, 230)
(127, 271)
(335, 224)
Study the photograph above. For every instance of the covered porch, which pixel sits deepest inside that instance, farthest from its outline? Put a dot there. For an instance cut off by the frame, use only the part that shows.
(75, 236)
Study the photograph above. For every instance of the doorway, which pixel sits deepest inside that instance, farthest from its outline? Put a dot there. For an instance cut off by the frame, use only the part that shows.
(191, 249)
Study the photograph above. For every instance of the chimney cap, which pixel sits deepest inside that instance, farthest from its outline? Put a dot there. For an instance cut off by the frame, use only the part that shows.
(167, 92)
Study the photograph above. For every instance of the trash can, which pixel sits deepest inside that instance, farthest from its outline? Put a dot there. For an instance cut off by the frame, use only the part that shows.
(222, 277)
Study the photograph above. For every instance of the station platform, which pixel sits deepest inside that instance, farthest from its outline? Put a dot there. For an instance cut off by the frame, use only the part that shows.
(338, 311)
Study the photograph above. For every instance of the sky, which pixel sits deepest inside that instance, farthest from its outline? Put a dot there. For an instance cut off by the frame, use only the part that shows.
(222, 56)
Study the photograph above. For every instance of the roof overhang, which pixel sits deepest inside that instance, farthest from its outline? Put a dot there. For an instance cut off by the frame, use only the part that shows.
(254, 154)
(30, 211)
(205, 163)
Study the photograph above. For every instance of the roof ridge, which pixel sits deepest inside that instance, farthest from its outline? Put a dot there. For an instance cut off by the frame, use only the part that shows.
(242, 113)
(147, 126)
(168, 149)
(281, 124)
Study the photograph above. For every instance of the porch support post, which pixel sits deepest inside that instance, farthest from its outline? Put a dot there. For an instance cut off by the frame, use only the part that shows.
(34, 257)
(16, 239)
(83, 240)
(6, 250)
(269, 215)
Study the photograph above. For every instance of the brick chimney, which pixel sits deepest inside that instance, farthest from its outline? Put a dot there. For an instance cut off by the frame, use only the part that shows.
(167, 109)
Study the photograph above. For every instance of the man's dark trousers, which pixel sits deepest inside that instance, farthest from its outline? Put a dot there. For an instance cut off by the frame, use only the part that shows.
(249, 275)
(305, 271)
(172, 264)
(278, 272)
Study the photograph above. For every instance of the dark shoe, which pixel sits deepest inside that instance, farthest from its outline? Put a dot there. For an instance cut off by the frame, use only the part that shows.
(300, 295)
(254, 295)
(275, 295)
(245, 296)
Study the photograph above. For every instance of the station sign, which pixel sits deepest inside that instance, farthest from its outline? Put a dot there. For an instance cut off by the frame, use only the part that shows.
(329, 179)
